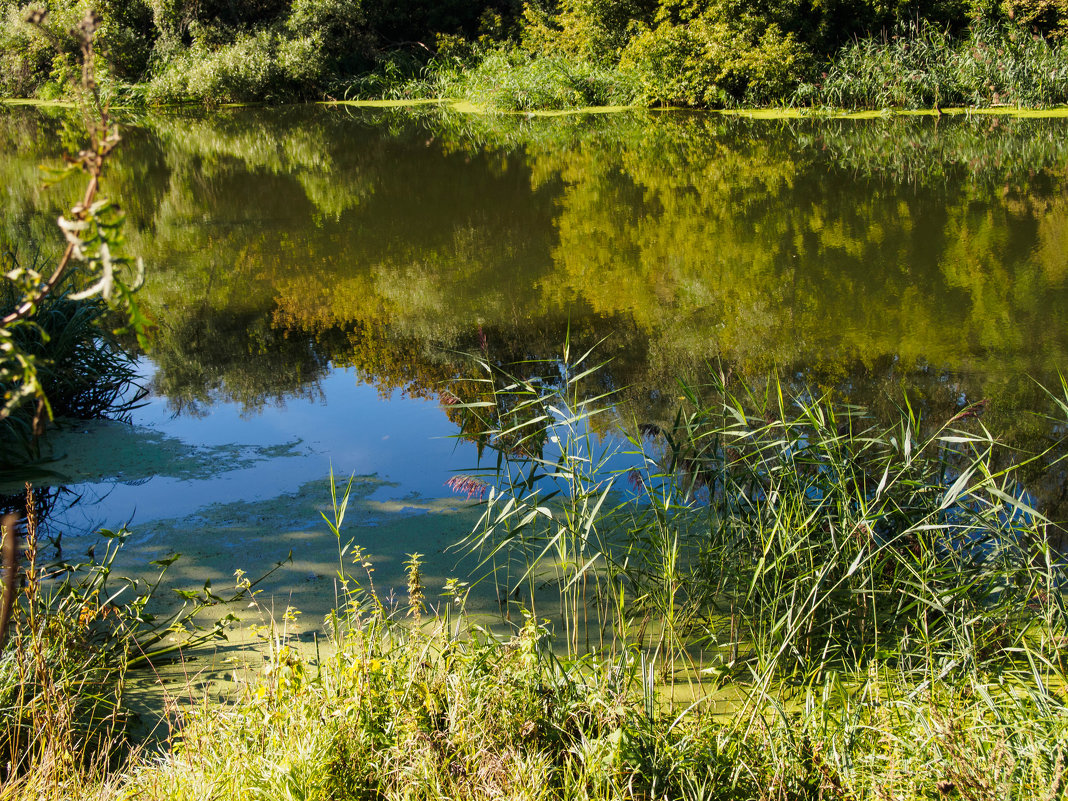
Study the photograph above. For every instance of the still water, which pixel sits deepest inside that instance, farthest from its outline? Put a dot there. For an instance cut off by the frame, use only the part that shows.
(317, 274)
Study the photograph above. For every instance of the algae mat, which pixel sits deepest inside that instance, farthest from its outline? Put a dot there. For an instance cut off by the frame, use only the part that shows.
(253, 537)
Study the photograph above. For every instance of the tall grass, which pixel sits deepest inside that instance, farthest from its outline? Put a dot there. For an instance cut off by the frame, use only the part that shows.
(922, 66)
(879, 608)
(443, 709)
(507, 79)
(789, 536)
(77, 631)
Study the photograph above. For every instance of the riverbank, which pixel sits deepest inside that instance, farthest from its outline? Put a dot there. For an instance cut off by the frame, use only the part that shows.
(656, 54)
(883, 608)
(398, 706)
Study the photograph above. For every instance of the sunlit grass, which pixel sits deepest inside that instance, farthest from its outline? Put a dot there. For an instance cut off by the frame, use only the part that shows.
(858, 610)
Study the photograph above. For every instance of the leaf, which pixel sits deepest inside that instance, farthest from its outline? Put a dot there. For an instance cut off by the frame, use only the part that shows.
(954, 492)
(166, 561)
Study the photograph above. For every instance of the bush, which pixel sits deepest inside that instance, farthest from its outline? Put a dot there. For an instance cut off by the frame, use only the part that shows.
(510, 80)
(255, 67)
(1045, 17)
(82, 369)
(589, 30)
(38, 59)
(712, 63)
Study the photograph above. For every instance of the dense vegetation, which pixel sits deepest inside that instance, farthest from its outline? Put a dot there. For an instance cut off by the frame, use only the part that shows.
(789, 602)
(779, 596)
(542, 54)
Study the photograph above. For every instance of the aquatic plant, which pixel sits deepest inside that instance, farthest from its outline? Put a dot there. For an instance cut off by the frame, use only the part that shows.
(785, 535)
(436, 710)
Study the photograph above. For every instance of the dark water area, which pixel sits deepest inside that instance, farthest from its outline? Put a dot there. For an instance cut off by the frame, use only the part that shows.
(316, 274)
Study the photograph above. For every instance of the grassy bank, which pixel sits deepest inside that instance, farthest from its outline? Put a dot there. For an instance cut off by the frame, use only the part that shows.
(403, 712)
(769, 597)
(523, 56)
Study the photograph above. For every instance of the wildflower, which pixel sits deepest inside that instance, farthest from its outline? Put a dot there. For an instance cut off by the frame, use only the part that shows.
(635, 478)
(467, 485)
(973, 410)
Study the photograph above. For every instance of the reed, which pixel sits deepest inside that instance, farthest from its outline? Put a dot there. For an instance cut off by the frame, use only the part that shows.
(789, 537)
(879, 607)
(921, 66)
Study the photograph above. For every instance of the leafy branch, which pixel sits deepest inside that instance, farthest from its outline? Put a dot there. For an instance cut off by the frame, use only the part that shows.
(94, 242)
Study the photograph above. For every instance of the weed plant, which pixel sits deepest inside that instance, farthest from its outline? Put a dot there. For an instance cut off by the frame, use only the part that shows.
(76, 632)
(444, 709)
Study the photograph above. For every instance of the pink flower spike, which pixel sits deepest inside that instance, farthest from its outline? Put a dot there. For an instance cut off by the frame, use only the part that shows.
(635, 478)
(467, 485)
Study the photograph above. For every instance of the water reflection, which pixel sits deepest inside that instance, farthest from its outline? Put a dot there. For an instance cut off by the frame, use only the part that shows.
(864, 257)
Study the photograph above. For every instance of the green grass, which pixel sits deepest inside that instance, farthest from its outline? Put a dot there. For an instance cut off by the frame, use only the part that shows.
(921, 67)
(444, 710)
(779, 598)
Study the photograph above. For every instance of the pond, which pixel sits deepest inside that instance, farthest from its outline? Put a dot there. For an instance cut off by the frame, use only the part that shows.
(317, 276)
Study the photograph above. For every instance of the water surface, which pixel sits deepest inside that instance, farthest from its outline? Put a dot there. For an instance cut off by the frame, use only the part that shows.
(316, 276)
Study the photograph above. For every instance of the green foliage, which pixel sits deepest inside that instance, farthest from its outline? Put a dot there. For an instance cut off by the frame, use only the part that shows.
(76, 631)
(509, 79)
(445, 709)
(710, 62)
(663, 51)
(78, 366)
(25, 56)
(40, 58)
(922, 66)
(589, 30)
(1047, 18)
(250, 68)
(61, 670)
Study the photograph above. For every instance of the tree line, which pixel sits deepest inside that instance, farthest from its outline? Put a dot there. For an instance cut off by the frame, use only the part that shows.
(550, 52)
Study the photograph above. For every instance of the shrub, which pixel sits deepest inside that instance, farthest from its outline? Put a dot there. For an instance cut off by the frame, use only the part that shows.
(1045, 17)
(590, 30)
(712, 63)
(82, 369)
(510, 80)
(255, 67)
